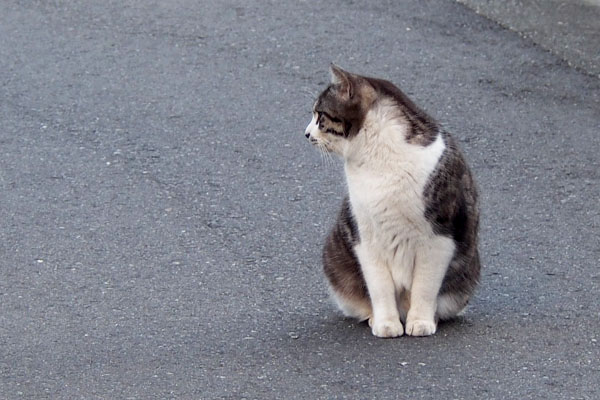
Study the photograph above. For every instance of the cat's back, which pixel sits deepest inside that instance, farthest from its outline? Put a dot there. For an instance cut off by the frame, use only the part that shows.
(450, 196)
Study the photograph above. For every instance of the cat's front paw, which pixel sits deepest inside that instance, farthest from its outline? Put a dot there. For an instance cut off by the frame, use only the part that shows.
(387, 328)
(419, 327)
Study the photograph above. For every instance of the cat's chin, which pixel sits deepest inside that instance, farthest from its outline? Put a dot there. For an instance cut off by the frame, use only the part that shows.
(323, 147)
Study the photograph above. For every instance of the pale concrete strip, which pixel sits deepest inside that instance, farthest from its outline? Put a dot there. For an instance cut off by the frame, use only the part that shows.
(569, 29)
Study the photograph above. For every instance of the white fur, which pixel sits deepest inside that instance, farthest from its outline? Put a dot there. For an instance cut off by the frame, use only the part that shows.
(450, 306)
(330, 143)
(398, 250)
(360, 310)
(312, 127)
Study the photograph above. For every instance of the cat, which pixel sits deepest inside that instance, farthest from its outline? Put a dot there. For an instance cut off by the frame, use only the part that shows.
(403, 253)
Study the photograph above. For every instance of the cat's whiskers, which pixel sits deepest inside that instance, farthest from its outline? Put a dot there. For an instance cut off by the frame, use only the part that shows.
(329, 158)
(323, 154)
(326, 157)
(308, 93)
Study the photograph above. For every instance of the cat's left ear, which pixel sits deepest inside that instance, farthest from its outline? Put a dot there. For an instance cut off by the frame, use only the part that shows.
(343, 79)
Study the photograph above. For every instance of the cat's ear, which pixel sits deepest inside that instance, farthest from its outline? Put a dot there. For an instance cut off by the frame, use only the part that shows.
(343, 79)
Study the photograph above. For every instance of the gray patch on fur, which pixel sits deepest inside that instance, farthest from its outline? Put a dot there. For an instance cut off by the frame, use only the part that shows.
(452, 208)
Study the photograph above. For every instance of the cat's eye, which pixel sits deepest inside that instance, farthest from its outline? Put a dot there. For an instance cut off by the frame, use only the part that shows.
(334, 119)
(328, 116)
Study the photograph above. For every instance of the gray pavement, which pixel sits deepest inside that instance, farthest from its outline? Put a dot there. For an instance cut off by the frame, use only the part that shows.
(162, 215)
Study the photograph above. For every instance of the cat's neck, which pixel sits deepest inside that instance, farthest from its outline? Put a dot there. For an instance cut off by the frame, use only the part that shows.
(382, 142)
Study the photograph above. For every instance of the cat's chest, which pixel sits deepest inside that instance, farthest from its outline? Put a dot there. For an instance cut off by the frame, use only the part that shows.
(388, 199)
(384, 200)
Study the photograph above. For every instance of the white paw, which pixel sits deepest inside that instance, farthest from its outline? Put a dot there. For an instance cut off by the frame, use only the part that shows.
(387, 328)
(419, 327)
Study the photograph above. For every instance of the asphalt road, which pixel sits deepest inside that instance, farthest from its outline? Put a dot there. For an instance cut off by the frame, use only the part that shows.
(161, 215)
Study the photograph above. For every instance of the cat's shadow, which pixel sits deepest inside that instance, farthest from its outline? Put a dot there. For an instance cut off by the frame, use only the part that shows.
(450, 326)
(340, 330)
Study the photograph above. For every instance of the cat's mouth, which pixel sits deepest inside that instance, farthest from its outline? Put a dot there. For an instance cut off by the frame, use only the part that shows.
(311, 138)
(322, 145)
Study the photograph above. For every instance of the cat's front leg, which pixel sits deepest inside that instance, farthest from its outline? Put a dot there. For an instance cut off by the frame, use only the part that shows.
(385, 321)
(431, 263)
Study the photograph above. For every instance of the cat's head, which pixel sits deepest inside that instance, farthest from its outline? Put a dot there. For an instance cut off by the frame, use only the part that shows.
(340, 110)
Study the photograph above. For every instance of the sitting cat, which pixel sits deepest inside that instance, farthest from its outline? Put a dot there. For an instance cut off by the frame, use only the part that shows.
(404, 247)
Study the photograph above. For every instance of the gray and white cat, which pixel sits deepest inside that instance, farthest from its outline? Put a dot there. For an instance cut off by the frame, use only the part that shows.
(404, 247)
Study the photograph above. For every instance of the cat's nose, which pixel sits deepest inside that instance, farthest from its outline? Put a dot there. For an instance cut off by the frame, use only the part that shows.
(307, 134)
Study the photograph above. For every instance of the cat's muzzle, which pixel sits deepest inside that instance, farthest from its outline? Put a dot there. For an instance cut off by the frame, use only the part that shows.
(311, 139)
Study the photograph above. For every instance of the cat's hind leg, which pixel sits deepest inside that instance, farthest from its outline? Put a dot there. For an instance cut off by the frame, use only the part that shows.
(451, 305)
(356, 306)
(342, 268)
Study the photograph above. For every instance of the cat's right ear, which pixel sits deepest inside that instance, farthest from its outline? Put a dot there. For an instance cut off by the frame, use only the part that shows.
(343, 79)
